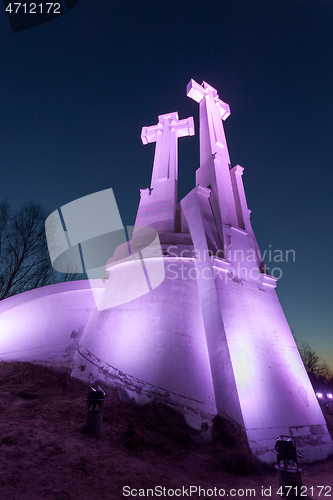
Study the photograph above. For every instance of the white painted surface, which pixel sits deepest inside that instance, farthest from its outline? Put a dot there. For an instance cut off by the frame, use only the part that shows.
(45, 325)
(158, 204)
(157, 338)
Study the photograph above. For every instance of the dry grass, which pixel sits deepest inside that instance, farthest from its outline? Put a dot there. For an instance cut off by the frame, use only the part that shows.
(45, 453)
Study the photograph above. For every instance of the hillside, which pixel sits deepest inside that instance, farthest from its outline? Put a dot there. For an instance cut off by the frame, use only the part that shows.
(46, 455)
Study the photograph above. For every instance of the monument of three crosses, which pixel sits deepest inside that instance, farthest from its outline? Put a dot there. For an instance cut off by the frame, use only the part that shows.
(184, 317)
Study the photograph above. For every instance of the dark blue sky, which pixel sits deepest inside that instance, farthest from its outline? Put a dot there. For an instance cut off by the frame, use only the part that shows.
(75, 93)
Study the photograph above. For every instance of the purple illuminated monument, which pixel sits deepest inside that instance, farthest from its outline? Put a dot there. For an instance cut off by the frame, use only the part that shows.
(158, 207)
(207, 334)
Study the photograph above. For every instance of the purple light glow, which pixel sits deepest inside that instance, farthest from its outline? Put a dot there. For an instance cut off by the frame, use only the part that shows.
(167, 326)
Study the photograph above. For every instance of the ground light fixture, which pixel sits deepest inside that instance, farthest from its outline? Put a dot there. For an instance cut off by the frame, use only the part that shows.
(94, 411)
(288, 472)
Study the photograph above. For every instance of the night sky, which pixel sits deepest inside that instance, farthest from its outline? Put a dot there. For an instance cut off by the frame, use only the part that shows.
(76, 91)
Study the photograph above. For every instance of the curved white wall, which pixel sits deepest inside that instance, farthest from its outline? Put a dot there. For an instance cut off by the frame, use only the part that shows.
(45, 325)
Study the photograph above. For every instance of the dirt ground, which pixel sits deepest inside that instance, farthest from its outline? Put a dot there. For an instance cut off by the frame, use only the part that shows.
(44, 453)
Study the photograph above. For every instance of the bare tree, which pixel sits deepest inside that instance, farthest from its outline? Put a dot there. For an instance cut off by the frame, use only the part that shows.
(24, 257)
(313, 363)
(323, 371)
(310, 358)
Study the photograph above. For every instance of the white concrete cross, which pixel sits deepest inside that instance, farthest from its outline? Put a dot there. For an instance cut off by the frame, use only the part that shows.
(214, 155)
(166, 134)
(216, 110)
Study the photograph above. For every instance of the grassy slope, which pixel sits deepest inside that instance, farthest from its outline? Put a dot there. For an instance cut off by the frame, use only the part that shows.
(45, 454)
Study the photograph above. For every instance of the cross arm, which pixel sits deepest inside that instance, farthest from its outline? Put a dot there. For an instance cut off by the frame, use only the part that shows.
(195, 91)
(181, 127)
(184, 127)
(198, 92)
(149, 134)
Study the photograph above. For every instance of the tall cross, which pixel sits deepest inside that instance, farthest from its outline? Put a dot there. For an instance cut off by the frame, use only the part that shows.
(215, 111)
(166, 134)
(214, 156)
